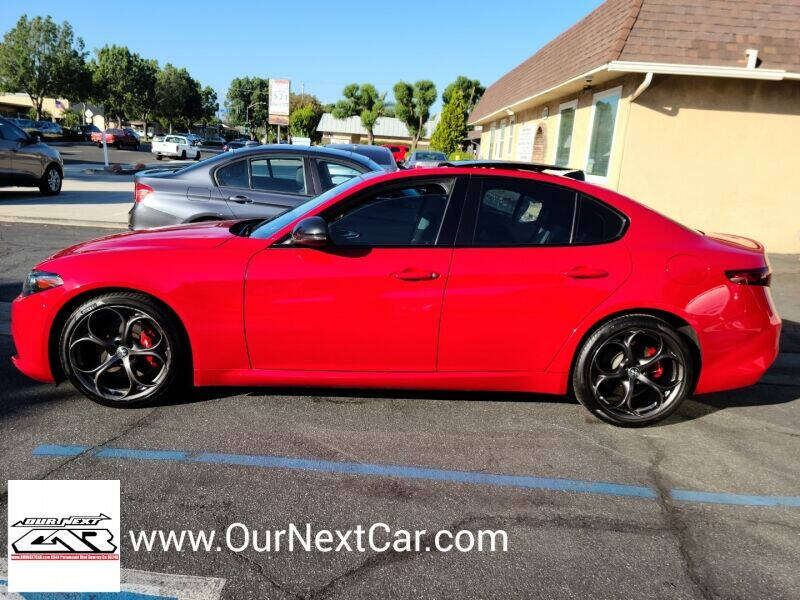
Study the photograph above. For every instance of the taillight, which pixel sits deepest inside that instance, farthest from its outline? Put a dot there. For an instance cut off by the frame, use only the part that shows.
(140, 190)
(760, 276)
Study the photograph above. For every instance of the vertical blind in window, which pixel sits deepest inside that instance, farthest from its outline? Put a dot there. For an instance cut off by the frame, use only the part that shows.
(605, 115)
(565, 136)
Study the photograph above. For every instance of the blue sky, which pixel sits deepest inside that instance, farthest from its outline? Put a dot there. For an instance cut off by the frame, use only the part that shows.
(324, 45)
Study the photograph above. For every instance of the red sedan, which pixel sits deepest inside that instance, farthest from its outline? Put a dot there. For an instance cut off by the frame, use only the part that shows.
(465, 278)
(117, 138)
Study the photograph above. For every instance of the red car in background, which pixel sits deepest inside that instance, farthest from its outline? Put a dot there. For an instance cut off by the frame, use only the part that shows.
(117, 137)
(481, 276)
(398, 151)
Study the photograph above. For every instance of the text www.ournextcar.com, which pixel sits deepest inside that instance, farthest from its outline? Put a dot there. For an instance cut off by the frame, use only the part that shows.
(378, 537)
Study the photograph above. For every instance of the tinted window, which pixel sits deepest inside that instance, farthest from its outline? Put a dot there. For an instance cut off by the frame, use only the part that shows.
(332, 174)
(11, 132)
(408, 216)
(523, 213)
(283, 175)
(382, 156)
(233, 175)
(596, 223)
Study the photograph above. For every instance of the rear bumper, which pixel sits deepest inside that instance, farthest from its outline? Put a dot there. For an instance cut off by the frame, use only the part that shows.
(142, 216)
(739, 348)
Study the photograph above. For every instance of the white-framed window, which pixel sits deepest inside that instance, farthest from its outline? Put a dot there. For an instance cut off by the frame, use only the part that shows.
(490, 149)
(510, 136)
(498, 153)
(566, 126)
(602, 126)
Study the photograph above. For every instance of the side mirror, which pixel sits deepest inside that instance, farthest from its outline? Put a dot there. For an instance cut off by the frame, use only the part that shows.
(311, 232)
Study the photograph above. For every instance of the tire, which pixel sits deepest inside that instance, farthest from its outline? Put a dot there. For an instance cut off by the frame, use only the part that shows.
(113, 371)
(183, 155)
(50, 184)
(99, 144)
(158, 157)
(117, 145)
(136, 147)
(197, 156)
(633, 371)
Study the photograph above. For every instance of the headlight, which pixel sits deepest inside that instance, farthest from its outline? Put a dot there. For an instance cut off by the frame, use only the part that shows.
(37, 281)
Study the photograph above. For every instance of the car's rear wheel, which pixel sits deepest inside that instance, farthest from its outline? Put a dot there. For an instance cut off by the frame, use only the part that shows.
(197, 156)
(51, 181)
(183, 155)
(122, 349)
(158, 157)
(634, 370)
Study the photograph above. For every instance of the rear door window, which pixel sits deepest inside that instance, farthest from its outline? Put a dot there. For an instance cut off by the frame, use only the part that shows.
(597, 223)
(234, 175)
(332, 173)
(282, 175)
(523, 213)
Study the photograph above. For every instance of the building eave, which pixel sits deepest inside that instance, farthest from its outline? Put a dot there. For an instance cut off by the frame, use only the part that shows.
(618, 66)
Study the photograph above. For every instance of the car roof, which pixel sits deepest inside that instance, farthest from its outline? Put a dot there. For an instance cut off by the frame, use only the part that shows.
(317, 151)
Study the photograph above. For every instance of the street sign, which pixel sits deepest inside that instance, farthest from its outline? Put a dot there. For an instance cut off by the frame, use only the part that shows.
(301, 141)
(279, 97)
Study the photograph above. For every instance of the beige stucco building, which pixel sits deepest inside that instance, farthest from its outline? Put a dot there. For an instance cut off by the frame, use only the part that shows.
(692, 108)
(19, 104)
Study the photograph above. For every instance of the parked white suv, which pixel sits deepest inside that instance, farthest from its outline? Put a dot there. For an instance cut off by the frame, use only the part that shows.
(175, 146)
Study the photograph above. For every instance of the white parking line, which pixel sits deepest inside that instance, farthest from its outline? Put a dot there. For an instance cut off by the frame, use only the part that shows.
(147, 583)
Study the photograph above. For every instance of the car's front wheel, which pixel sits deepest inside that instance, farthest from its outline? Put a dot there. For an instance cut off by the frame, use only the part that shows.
(51, 181)
(634, 370)
(197, 156)
(122, 349)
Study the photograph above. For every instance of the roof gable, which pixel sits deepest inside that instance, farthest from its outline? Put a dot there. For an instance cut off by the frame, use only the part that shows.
(696, 32)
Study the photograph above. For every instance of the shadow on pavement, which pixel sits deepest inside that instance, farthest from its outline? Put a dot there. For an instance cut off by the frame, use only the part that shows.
(32, 197)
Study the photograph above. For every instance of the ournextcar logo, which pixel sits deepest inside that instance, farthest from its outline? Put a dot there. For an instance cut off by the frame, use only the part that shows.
(66, 538)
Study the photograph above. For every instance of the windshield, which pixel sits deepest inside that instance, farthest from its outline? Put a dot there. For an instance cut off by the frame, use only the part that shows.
(265, 229)
(430, 156)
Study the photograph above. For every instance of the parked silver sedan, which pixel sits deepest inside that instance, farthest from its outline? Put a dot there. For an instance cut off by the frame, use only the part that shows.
(26, 161)
(259, 182)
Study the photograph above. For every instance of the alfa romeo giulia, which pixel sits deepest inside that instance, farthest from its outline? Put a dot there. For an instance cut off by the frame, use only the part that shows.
(495, 277)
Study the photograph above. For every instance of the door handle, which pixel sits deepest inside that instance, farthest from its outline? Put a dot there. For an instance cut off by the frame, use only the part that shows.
(584, 272)
(240, 199)
(412, 274)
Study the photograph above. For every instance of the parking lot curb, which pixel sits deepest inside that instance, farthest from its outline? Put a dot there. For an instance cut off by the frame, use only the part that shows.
(71, 222)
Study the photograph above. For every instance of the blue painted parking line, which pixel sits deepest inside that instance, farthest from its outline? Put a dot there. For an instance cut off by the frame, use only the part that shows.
(134, 585)
(412, 472)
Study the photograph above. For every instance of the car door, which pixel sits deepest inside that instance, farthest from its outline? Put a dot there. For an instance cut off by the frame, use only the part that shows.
(7, 143)
(264, 185)
(532, 259)
(369, 301)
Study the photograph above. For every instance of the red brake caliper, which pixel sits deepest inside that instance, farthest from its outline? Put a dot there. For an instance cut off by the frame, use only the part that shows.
(146, 341)
(657, 370)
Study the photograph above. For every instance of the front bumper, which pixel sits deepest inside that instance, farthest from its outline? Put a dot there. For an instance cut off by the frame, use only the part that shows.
(31, 319)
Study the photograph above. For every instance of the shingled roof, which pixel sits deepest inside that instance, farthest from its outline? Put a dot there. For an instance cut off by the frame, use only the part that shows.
(695, 32)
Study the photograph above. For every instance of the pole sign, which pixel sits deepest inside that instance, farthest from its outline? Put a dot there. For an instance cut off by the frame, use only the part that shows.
(279, 101)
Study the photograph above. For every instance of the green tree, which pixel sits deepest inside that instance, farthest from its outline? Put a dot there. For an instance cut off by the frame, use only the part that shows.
(245, 92)
(44, 60)
(210, 106)
(71, 118)
(452, 127)
(362, 100)
(177, 96)
(306, 111)
(414, 105)
(43, 115)
(471, 90)
(124, 83)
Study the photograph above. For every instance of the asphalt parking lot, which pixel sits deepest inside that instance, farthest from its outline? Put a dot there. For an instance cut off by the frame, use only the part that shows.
(704, 505)
(86, 152)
